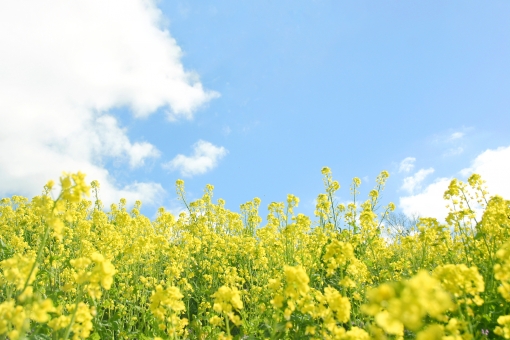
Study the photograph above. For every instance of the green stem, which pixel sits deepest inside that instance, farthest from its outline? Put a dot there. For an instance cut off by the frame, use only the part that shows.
(39, 252)
(228, 325)
(68, 330)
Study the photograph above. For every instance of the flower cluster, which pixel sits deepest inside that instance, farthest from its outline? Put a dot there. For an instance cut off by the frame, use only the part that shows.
(100, 275)
(461, 281)
(72, 269)
(405, 304)
(166, 305)
(227, 300)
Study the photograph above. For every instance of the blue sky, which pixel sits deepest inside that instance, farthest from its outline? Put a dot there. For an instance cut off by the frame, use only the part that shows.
(267, 92)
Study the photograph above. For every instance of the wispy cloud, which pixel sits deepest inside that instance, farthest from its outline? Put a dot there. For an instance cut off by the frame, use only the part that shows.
(451, 144)
(226, 130)
(407, 164)
(413, 182)
(453, 151)
(64, 65)
(205, 157)
(456, 135)
(451, 137)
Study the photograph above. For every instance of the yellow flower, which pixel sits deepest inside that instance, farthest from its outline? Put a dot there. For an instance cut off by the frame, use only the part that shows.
(431, 332)
(338, 304)
(325, 170)
(103, 271)
(73, 193)
(460, 280)
(277, 301)
(505, 330)
(407, 303)
(390, 323)
(59, 322)
(310, 330)
(502, 271)
(274, 284)
(12, 316)
(101, 275)
(356, 333)
(216, 320)
(17, 269)
(166, 301)
(296, 282)
(338, 254)
(226, 298)
(236, 320)
(40, 310)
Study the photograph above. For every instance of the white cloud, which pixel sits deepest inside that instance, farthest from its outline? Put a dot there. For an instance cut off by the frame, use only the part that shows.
(428, 203)
(492, 165)
(205, 157)
(407, 164)
(414, 182)
(63, 66)
(112, 141)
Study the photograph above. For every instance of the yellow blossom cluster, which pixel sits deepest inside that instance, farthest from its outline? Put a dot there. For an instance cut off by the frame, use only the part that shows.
(405, 304)
(338, 254)
(79, 322)
(502, 271)
(461, 281)
(101, 274)
(166, 305)
(19, 270)
(72, 269)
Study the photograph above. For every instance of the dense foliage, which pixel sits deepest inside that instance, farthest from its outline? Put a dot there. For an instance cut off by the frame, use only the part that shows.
(70, 269)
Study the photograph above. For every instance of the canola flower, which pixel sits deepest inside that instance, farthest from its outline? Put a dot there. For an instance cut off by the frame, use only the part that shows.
(72, 269)
(166, 305)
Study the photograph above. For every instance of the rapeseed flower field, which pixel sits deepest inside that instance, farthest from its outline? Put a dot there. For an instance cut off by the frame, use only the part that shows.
(71, 269)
